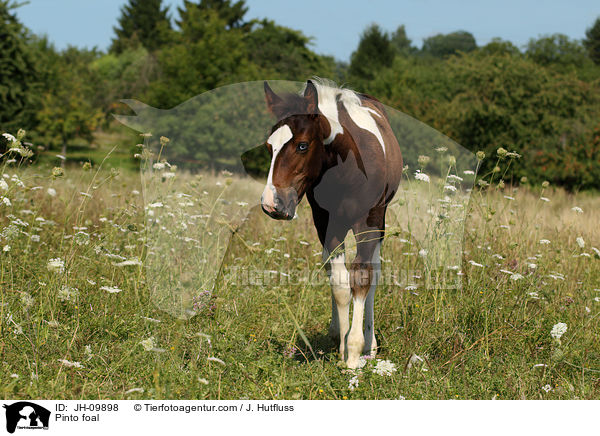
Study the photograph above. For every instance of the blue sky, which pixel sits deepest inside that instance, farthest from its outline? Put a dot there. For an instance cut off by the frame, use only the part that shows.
(336, 25)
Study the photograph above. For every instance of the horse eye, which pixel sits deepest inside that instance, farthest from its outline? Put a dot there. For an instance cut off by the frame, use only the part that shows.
(302, 146)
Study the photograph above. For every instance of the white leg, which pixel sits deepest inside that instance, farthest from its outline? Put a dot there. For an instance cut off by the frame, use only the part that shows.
(370, 347)
(340, 289)
(356, 338)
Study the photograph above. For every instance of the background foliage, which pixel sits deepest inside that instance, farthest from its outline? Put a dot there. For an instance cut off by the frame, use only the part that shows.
(541, 100)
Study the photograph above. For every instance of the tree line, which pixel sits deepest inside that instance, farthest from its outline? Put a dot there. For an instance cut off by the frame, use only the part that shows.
(542, 100)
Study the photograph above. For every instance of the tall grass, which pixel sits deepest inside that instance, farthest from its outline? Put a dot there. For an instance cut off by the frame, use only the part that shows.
(88, 273)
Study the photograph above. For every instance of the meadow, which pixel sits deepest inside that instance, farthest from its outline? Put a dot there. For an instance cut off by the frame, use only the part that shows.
(91, 275)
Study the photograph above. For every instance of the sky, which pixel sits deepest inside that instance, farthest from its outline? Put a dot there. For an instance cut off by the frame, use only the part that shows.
(336, 25)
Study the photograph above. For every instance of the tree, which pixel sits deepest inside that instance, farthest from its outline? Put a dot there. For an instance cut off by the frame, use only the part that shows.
(284, 52)
(66, 111)
(592, 41)
(231, 13)
(19, 77)
(374, 51)
(446, 45)
(401, 43)
(556, 49)
(143, 22)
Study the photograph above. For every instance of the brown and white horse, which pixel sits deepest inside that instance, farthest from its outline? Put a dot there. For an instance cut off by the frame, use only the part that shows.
(336, 147)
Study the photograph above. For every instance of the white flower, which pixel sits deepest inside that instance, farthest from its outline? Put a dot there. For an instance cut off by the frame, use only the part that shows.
(455, 178)
(580, 242)
(547, 388)
(353, 383)
(111, 289)
(70, 364)
(51, 192)
(67, 293)
(516, 276)
(423, 252)
(558, 330)
(203, 381)
(6, 248)
(595, 250)
(148, 344)
(159, 166)
(9, 137)
(475, 264)
(544, 199)
(3, 185)
(422, 176)
(450, 188)
(469, 172)
(128, 262)
(544, 241)
(577, 209)
(6, 201)
(384, 367)
(56, 265)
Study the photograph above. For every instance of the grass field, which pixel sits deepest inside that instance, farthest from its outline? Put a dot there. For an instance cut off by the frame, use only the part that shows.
(85, 314)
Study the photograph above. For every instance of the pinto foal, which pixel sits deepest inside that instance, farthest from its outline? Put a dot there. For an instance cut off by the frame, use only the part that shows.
(336, 147)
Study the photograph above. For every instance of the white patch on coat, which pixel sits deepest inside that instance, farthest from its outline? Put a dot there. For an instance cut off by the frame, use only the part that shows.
(362, 116)
(341, 295)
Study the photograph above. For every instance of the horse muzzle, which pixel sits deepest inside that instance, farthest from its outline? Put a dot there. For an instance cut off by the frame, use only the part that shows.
(279, 204)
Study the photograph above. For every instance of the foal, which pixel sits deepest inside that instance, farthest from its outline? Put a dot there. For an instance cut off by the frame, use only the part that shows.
(336, 147)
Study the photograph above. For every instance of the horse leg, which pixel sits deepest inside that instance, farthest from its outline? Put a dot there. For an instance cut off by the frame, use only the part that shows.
(363, 278)
(340, 296)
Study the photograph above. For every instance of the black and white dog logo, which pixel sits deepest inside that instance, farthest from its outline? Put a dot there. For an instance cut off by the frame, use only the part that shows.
(26, 415)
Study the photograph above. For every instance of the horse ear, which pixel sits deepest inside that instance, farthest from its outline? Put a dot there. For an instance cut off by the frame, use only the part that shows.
(310, 94)
(273, 100)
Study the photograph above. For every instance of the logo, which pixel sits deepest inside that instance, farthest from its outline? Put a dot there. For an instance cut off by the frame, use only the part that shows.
(26, 415)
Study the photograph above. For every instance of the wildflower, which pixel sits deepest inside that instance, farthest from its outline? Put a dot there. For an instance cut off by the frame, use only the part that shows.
(10, 138)
(353, 383)
(26, 300)
(524, 179)
(547, 388)
(577, 209)
(451, 160)
(56, 265)
(111, 289)
(6, 201)
(164, 140)
(51, 192)
(455, 178)
(544, 241)
(441, 149)
(423, 160)
(469, 172)
(128, 263)
(501, 152)
(290, 351)
(58, 172)
(70, 364)
(148, 344)
(216, 359)
(384, 367)
(545, 199)
(480, 155)
(595, 250)
(516, 276)
(450, 188)
(132, 390)
(203, 381)
(545, 184)
(67, 293)
(3, 185)
(580, 242)
(422, 176)
(501, 184)
(558, 330)
(496, 169)
(472, 262)
(88, 352)
(423, 252)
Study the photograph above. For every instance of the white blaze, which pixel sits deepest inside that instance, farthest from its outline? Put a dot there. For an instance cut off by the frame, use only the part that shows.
(277, 140)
